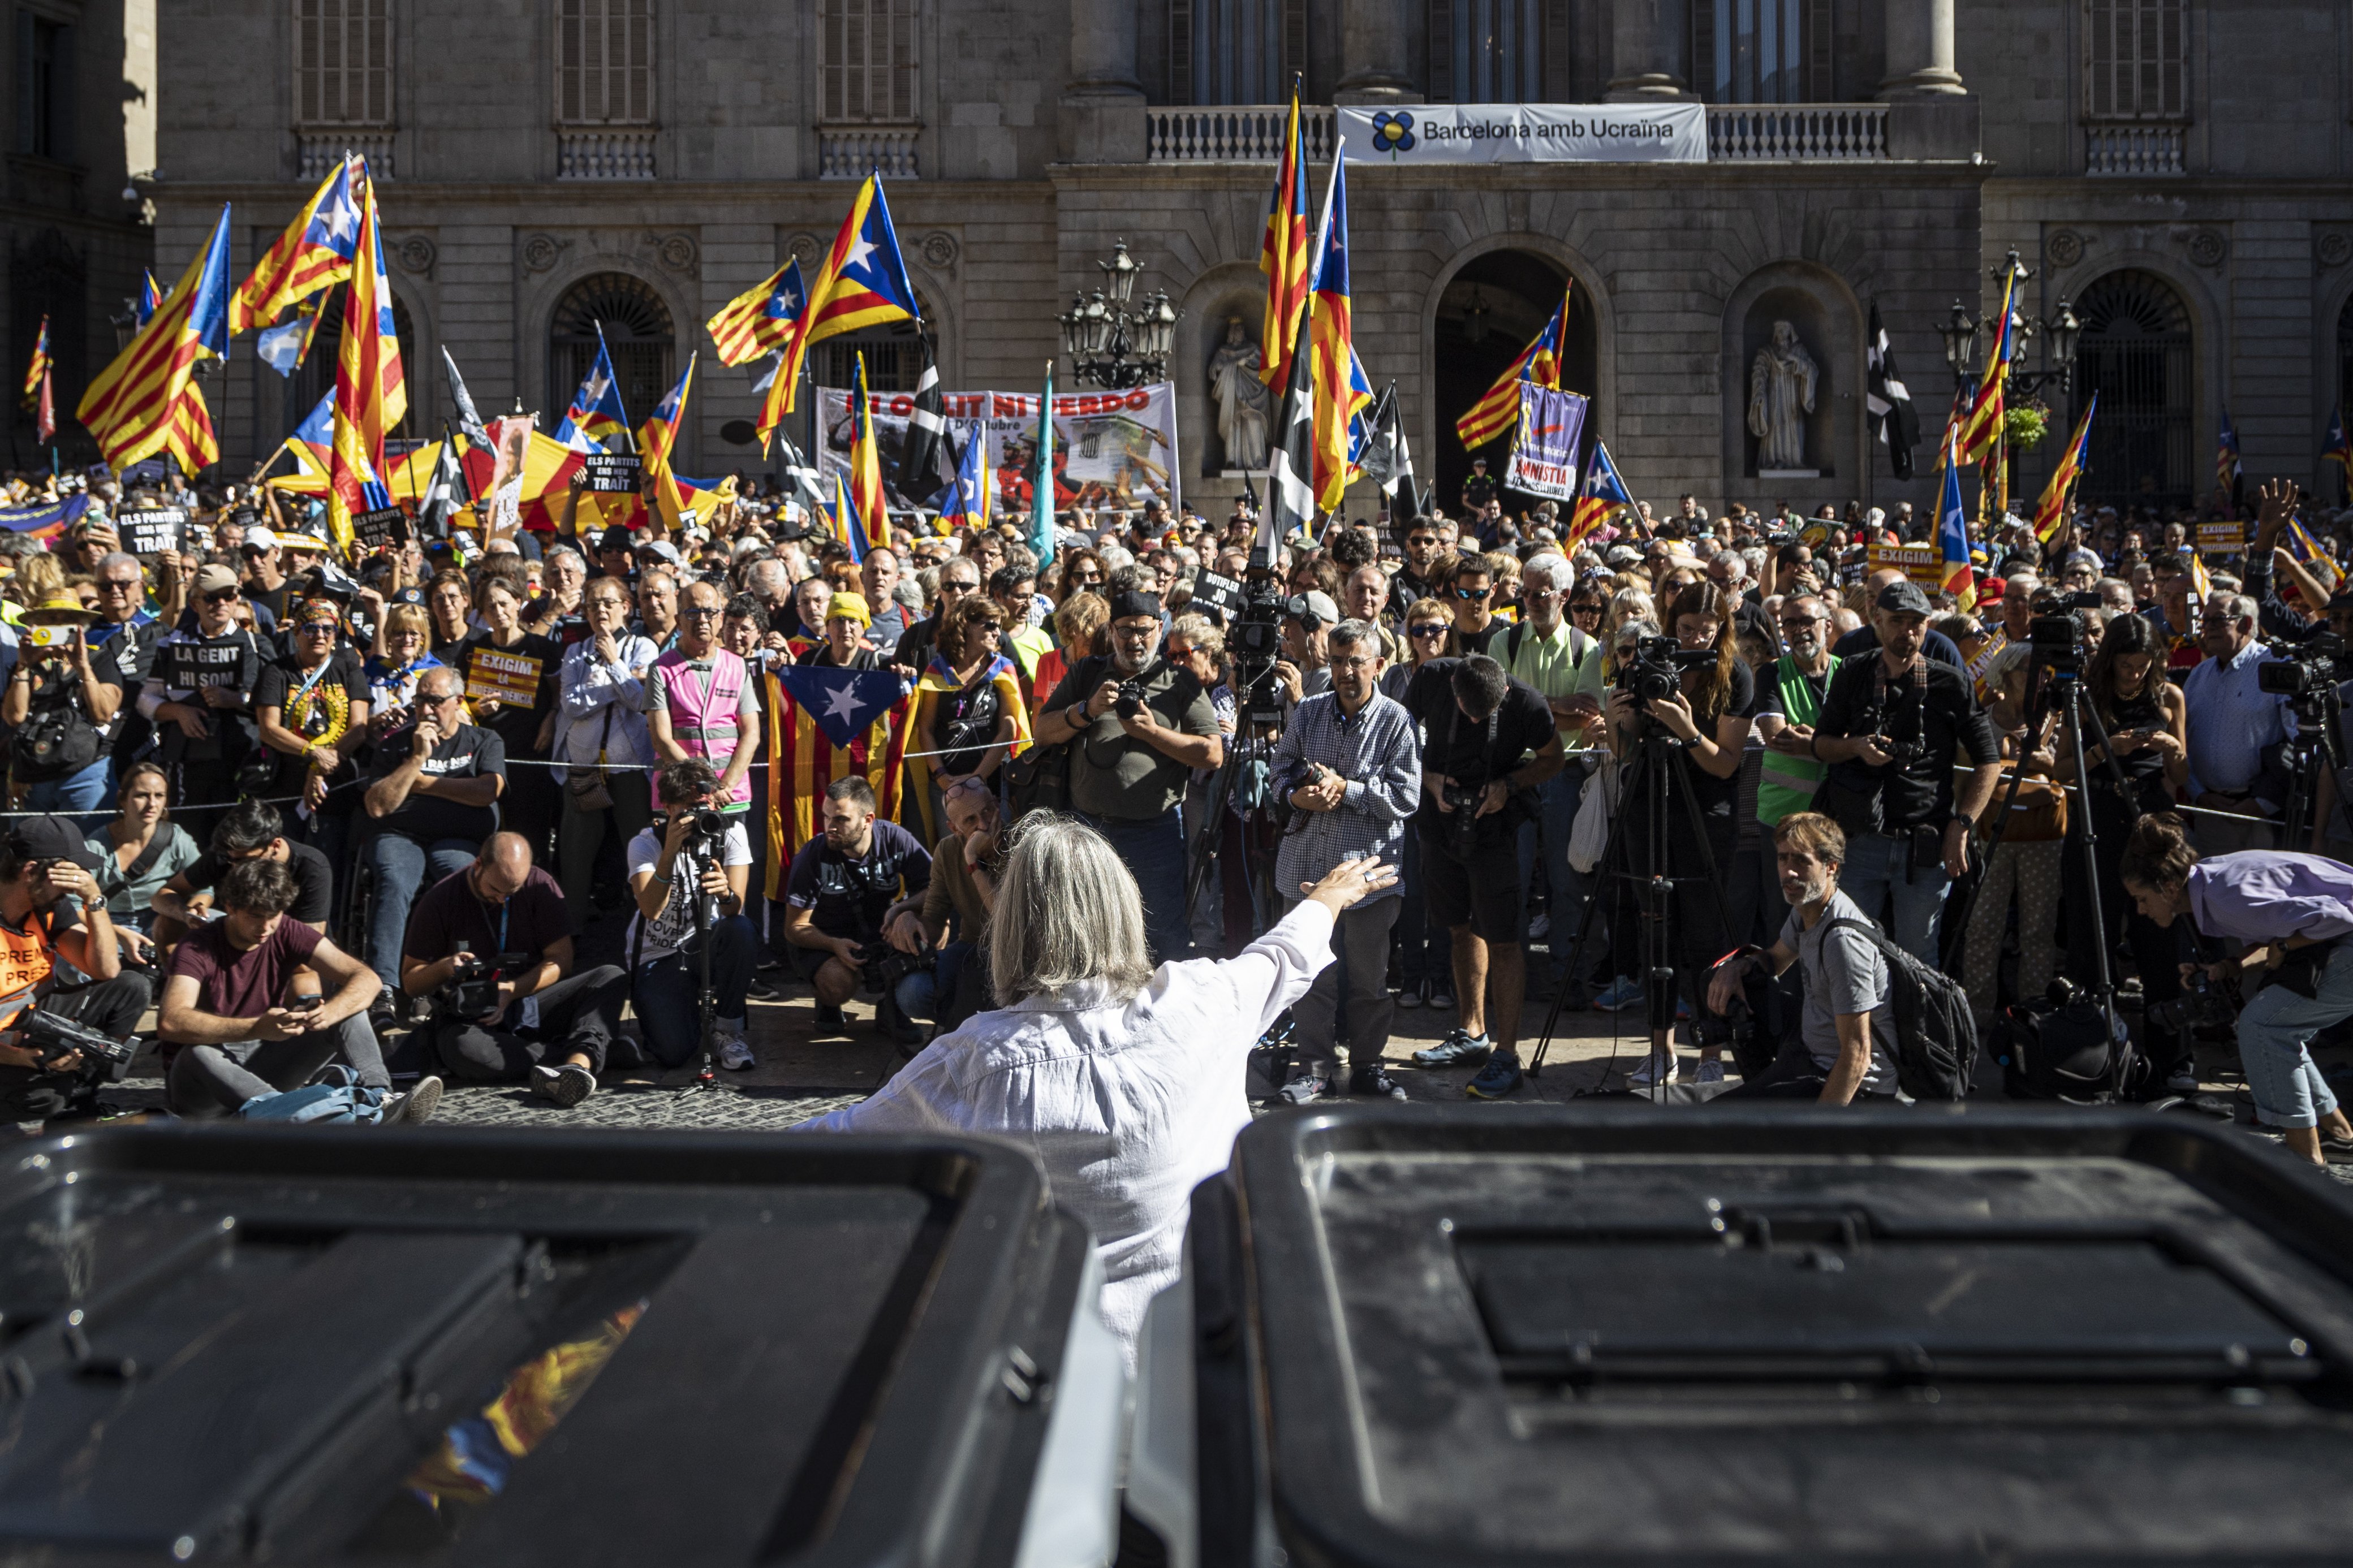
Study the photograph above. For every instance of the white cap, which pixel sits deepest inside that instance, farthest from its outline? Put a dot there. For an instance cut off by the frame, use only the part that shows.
(260, 539)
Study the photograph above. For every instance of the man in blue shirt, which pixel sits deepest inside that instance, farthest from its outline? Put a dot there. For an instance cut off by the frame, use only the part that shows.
(2233, 721)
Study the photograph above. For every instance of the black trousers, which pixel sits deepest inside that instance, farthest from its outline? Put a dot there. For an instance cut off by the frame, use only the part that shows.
(112, 1007)
(576, 1014)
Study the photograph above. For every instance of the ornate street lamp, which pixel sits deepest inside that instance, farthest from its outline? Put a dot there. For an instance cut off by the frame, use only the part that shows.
(2059, 332)
(1110, 345)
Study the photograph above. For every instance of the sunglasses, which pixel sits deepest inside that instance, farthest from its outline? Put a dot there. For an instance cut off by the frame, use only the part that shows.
(111, 587)
(1428, 629)
(222, 597)
(1472, 593)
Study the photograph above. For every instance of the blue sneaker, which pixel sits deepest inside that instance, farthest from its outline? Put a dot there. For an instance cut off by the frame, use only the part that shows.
(1622, 992)
(1499, 1077)
(1460, 1048)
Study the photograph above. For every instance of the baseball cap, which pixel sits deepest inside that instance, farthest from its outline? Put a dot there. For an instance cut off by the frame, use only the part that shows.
(1313, 605)
(50, 839)
(213, 579)
(615, 538)
(260, 539)
(663, 550)
(1903, 598)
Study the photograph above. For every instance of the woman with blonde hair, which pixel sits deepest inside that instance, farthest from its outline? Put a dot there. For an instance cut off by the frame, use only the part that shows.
(1125, 1080)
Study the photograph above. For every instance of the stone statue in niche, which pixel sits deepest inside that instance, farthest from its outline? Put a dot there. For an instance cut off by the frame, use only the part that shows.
(1241, 398)
(1781, 382)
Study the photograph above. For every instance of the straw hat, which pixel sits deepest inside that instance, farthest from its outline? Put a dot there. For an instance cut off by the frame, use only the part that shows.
(60, 610)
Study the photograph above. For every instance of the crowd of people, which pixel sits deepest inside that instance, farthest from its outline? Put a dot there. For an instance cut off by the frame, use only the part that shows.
(448, 755)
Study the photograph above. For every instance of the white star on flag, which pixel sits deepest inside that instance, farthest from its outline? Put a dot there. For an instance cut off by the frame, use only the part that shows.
(592, 391)
(783, 304)
(342, 221)
(842, 703)
(860, 248)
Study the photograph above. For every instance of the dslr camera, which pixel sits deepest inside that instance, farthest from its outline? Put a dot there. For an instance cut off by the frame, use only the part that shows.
(2200, 1006)
(1462, 823)
(473, 988)
(50, 1036)
(2056, 635)
(2318, 665)
(1657, 667)
(1129, 703)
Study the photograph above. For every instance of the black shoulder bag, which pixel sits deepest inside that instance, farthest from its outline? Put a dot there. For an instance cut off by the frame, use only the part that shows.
(1039, 778)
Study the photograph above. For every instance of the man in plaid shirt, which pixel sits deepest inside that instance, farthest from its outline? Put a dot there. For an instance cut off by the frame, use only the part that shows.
(1350, 765)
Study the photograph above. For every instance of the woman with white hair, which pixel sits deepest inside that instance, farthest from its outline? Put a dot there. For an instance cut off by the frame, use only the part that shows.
(1124, 1080)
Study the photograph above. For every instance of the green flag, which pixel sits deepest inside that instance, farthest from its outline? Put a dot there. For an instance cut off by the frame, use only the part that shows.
(1041, 504)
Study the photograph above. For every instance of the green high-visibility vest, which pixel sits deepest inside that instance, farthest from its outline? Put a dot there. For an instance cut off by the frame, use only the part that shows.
(1786, 783)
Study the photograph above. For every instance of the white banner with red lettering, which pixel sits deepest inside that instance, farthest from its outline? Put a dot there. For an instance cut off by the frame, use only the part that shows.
(1111, 448)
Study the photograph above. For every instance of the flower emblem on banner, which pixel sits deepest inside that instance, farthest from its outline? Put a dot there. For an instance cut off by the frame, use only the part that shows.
(1393, 133)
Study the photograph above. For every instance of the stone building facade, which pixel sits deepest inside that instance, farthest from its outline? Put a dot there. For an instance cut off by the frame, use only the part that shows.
(2177, 169)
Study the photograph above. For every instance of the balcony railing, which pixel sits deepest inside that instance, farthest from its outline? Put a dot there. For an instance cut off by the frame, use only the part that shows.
(585, 154)
(321, 149)
(1233, 134)
(853, 151)
(2132, 149)
(1740, 133)
(1797, 132)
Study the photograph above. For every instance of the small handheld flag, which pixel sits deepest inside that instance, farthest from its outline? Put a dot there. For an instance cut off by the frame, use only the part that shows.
(1598, 499)
(1953, 536)
(596, 415)
(142, 308)
(843, 517)
(2307, 551)
(38, 394)
(968, 497)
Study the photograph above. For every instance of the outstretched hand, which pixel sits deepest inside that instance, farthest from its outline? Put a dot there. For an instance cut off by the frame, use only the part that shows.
(1350, 882)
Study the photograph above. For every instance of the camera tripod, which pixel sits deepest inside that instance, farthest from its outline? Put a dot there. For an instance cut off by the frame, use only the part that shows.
(686, 871)
(1655, 778)
(2315, 745)
(1252, 708)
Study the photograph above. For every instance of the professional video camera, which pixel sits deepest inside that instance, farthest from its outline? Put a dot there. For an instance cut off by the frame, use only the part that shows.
(1656, 669)
(472, 988)
(2056, 635)
(1255, 641)
(49, 1036)
(2313, 667)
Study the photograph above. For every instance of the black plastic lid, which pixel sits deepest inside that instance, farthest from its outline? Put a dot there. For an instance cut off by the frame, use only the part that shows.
(1613, 1334)
(525, 1348)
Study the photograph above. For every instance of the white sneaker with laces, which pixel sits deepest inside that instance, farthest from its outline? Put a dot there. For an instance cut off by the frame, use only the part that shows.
(1656, 1072)
(734, 1055)
(1710, 1071)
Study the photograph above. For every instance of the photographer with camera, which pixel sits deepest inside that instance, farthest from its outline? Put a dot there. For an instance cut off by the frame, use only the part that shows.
(845, 889)
(231, 1035)
(60, 698)
(1306, 668)
(689, 871)
(2294, 912)
(1348, 764)
(1141, 723)
(1490, 742)
(947, 983)
(493, 947)
(1893, 728)
(51, 908)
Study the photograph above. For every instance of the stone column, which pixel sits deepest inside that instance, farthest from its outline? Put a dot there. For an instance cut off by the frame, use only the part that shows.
(1373, 52)
(1103, 106)
(1648, 41)
(1919, 50)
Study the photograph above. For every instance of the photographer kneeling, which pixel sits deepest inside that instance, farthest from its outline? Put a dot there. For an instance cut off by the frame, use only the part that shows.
(1846, 1041)
(717, 859)
(966, 864)
(492, 946)
(846, 888)
(2294, 912)
(44, 870)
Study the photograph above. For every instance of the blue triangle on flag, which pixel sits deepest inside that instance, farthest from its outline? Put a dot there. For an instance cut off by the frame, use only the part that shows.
(842, 703)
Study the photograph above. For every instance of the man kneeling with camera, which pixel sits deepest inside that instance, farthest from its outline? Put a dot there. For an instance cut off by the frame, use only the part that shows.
(688, 871)
(230, 1037)
(59, 1042)
(846, 888)
(493, 947)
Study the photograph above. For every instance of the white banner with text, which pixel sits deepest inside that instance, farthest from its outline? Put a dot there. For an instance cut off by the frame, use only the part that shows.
(1526, 133)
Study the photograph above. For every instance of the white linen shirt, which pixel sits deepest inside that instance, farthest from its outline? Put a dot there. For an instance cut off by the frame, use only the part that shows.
(1128, 1105)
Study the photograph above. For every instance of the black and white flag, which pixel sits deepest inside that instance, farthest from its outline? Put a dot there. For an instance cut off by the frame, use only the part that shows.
(1291, 461)
(470, 424)
(920, 472)
(1387, 460)
(805, 489)
(447, 493)
(1893, 423)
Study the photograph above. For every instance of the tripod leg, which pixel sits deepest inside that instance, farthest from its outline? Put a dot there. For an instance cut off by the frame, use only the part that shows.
(1604, 883)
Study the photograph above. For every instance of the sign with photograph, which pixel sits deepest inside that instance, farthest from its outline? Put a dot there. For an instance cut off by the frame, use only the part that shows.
(1115, 448)
(1544, 452)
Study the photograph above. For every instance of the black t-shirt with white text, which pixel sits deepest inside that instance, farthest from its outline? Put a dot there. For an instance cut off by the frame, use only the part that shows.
(469, 753)
(847, 898)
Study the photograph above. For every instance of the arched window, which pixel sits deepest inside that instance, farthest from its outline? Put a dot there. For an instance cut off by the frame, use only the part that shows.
(637, 334)
(2135, 353)
(315, 377)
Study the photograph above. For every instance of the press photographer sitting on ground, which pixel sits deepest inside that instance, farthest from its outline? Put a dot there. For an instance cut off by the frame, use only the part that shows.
(50, 908)
(2293, 913)
(670, 970)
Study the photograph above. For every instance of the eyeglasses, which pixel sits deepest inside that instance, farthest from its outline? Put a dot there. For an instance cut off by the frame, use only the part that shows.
(1472, 593)
(221, 596)
(109, 586)
(324, 629)
(1585, 609)
(959, 587)
(698, 612)
(1428, 629)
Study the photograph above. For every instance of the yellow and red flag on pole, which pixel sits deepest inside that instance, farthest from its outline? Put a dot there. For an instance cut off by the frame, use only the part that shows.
(313, 254)
(656, 438)
(2051, 512)
(136, 407)
(371, 386)
(760, 320)
(1284, 255)
(2308, 551)
(863, 283)
(1981, 432)
(868, 511)
(1498, 408)
(1341, 387)
(40, 394)
(830, 723)
(1599, 497)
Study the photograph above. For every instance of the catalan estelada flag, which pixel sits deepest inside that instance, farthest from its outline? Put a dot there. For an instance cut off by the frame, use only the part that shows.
(371, 386)
(968, 497)
(1341, 389)
(1498, 408)
(36, 370)
(844, 520)
(655, 440)
(2226, 457)
(829, 724)
(759, 321)
(2051, 512)
(868, 507)
(314, 253)
(1600, 496)
(863, 283)
(2307, 551)
(940, 678)
(142, 308)
(1284, 256)
(1953, 534)
(139, 406)
(2339, 447)
(595, 416)
(1981, 430)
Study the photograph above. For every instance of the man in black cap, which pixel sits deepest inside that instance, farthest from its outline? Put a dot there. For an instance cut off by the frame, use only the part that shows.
(50, 908)
(1142, 724)
(1478, 489)
(1893, 728)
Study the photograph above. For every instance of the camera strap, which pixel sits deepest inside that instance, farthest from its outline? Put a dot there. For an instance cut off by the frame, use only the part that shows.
(1486, 746)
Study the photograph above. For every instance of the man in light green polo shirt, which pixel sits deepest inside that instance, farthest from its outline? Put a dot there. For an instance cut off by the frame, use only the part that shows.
(1788, 696)
(1564, 665)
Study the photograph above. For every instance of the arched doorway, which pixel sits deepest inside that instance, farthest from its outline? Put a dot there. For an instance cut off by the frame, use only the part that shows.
(2135, 353)
(315, 376)
(1488, 313)
(2341, 393)
(637, 334)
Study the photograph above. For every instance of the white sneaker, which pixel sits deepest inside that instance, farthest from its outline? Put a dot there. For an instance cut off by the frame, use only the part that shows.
(734, 1055)
(2182, 1082)
(1710, 1071)
(416, 1106)
(1656, 1072)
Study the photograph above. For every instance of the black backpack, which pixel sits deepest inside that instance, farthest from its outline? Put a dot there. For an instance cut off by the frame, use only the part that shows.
(1936, 1032)
(2050, 1049)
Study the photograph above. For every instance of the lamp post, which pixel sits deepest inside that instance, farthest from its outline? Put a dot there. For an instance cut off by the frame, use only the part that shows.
(1108, 343)
(2058, 332)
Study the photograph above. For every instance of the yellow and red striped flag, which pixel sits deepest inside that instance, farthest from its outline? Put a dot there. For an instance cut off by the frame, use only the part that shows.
(761, 320)
(863, 283)
(868, 511)
(1981, 431)
(313, 254)
(829, 724)
(1284, 256)
(1498, 408)
(136, 407)
(37, 370)
(2051, 512)
(656, 438)
(370, 388)
(1341, 387)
